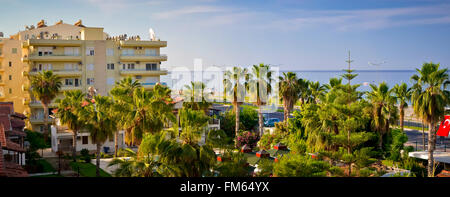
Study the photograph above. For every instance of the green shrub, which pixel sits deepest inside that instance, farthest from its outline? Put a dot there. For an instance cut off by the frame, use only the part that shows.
(248, 118)
(336, 171)
(266, 168)
(85, 155)
(414, 166)
(295, 165)
(366, 172)
(394, 143)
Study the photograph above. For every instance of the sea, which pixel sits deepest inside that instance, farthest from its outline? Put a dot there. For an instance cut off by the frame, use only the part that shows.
(177, 79)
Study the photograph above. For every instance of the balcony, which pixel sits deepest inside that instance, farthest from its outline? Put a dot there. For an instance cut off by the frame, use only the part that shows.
(51, 58)
(51, 42)
(142, 43)
(37, 119)
(152, 84)
(143, 72)
(59, 72)
(143, 58)
(68, 88)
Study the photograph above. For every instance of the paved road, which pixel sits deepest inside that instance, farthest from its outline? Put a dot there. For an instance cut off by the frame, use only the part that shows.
(415, 136)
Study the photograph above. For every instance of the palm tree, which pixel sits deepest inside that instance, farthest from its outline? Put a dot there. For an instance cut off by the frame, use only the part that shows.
(403, 95)
(149, 112)
(381, 98)
(67, 113)
(192, 123)
(334, 84)
(45, 87)
(100, 121)
(304, 91)
(431, 102)
(134, 166)
(289, 92)
(261, 88)
(316, 91)
(186, 159)
(236, 87)
(196, 98)
(123, 96)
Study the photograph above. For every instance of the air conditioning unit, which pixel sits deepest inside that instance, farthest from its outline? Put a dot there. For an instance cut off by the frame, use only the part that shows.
(80, 63)
(54, 47)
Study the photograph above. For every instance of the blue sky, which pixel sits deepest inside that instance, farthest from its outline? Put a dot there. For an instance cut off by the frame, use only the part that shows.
(292, 34)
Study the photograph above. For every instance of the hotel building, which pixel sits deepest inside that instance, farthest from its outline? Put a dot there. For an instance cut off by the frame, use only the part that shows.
(82, 56)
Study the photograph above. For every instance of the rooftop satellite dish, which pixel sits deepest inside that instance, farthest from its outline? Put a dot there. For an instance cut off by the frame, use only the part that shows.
(152, 34)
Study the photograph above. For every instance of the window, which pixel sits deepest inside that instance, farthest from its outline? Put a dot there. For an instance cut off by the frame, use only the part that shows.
(90, 81)
(110, 66)
(10, 64)
(110, 52)
(84, 139)
(10, 77)
(10, 90)
(131, 66)
(45, 51)
(150, 52)
(77, 82)
(71, 51)
(90, 51)
(14, 50)
(151, 66)
(128, 52)
(69, 82)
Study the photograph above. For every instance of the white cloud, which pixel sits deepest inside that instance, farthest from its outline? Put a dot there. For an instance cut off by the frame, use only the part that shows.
(365, 19)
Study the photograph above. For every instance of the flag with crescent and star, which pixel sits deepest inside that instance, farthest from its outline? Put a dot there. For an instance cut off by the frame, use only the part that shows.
(444, 128)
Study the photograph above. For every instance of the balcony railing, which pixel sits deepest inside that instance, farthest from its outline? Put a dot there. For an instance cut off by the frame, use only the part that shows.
(153, 83)
(51, 57)
(141, 69)
(56, 71)
(145, 55)
(146, 72)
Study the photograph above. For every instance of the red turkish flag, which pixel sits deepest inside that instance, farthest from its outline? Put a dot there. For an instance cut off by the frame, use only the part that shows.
(444, 128)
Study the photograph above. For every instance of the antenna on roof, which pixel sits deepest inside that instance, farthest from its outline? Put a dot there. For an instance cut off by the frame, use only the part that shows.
(152, 35)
